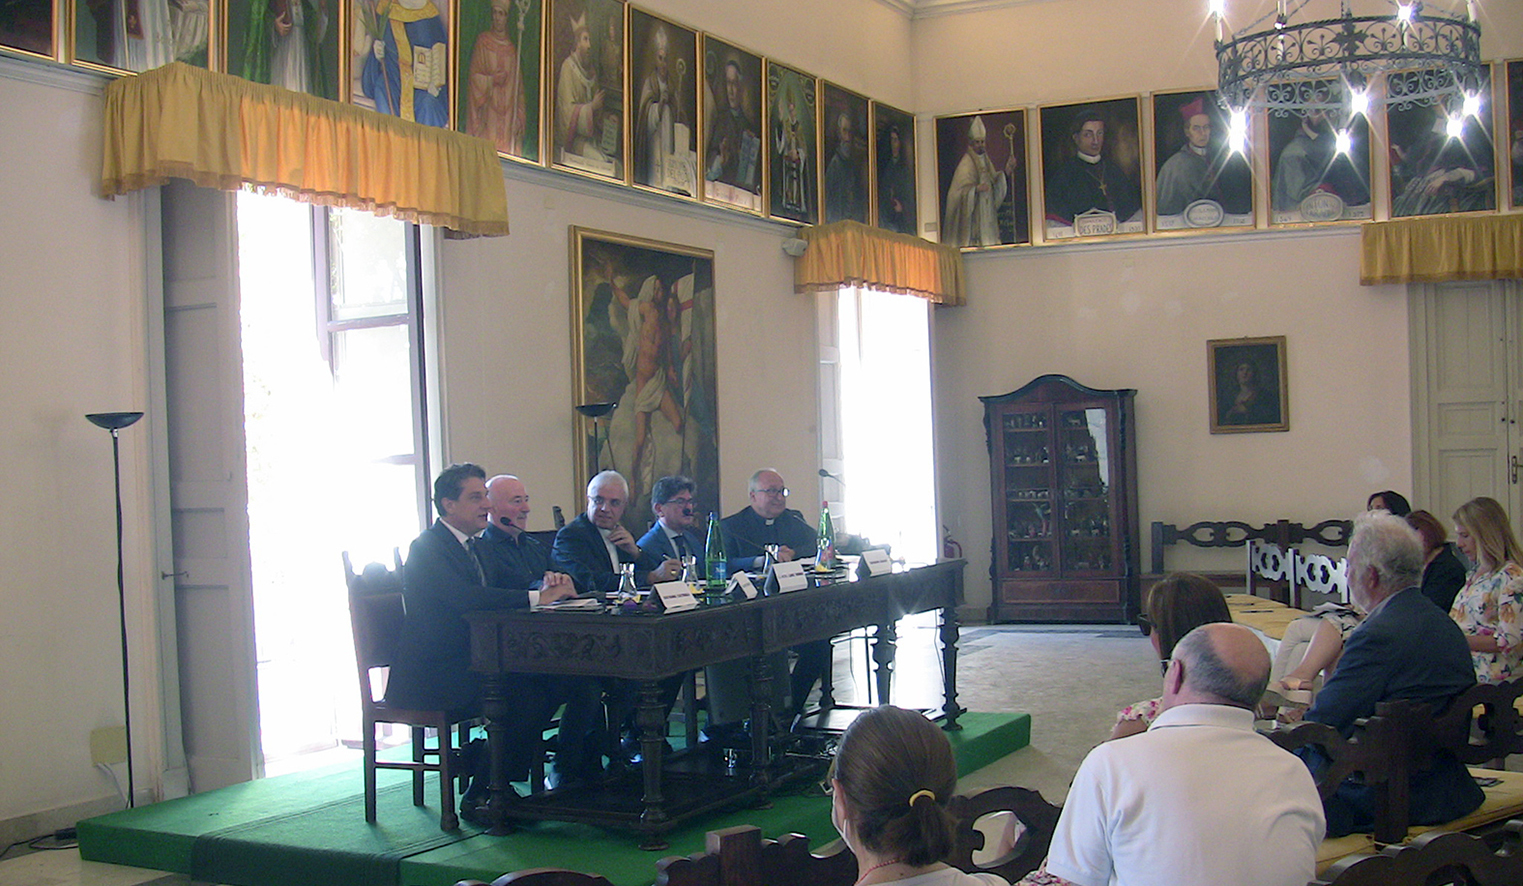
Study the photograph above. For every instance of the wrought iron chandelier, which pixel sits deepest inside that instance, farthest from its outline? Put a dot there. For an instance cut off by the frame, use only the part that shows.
(1422, 57)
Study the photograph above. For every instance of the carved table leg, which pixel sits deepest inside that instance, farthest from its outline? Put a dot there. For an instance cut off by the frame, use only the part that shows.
(652, 738)
(761, 724)
(949, 632)
(494, 706)
(885, 647)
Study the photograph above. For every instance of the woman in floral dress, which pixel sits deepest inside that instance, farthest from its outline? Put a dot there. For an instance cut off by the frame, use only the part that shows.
(1179, 604)
(1489, 608)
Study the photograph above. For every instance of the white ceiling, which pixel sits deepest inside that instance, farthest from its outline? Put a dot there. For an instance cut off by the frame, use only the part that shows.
(927, 8)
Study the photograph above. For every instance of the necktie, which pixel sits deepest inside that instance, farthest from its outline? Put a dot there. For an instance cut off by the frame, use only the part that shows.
(470, 548)
(681, 546)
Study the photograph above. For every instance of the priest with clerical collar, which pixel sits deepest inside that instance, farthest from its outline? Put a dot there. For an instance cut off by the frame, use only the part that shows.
(768, 521)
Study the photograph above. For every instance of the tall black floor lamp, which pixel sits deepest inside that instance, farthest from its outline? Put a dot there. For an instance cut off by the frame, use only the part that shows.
(114, 422)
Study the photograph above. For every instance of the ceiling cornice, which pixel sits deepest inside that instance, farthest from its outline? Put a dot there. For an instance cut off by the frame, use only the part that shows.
(913, 9)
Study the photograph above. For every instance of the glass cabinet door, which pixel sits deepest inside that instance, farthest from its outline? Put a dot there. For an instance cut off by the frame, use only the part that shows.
(1084, 471)
(1027, 445)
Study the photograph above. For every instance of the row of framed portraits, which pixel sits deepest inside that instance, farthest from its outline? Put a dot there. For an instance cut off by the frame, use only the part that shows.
(597, 87)
(1167, 162)
(606, 89)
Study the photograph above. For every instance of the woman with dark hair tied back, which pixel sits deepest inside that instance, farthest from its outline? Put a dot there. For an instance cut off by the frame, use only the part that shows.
(889, 784)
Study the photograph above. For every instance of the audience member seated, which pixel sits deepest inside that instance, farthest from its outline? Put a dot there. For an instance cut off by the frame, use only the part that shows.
(889, 785)
(1489, 608)
(1387, 500)
(1444, 574)
(593, 547)
(1405, 648)
(446, 576)
(769, 521)
(1200, 798)
(1175, 606)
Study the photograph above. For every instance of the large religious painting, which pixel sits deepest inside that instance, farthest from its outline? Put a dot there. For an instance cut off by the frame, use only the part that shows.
(1442, 157)
(139, 35)
(981, 179)
(1092, 169)
(894, 160)
(1202, 174)
(289, 43)
(643, 339)
(1319, 163)
(587, 87)
(663, 78)
(1248, 387)
(732, 133)
(792, 149)
(400, 59)
(1514, 121)
(27, 26)
(844, 178)
(498, 45)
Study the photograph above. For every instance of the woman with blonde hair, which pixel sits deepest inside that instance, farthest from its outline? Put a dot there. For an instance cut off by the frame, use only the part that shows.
(1489, 608)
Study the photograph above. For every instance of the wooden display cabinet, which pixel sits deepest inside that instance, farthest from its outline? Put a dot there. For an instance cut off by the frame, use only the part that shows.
(1063, 471)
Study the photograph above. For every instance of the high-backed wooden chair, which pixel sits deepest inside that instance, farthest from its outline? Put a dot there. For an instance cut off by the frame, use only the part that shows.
(1437, 858)
(1038, 819)
(376, 613)
(739, 856)
(543, 877)
(1271, 570)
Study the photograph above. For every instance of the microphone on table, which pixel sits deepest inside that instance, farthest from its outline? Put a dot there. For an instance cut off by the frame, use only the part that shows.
(825, 473)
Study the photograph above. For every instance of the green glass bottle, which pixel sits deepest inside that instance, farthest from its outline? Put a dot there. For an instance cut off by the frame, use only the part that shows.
(825, 541)
(713, 557)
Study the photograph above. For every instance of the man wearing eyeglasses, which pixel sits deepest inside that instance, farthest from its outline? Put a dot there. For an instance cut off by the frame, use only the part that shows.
(595, 545)
(769, 521)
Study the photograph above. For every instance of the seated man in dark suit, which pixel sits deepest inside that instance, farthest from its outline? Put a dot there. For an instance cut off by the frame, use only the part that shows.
(675, 533)
(594, 546)
(1405, 648)
(445, 577)
(769, 521)
(521, 561)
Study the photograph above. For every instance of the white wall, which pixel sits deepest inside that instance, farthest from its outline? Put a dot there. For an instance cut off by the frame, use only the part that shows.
(72, 294)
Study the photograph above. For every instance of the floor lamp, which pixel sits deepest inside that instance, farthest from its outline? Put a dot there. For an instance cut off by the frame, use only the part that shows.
(595, 412)
(114, 422)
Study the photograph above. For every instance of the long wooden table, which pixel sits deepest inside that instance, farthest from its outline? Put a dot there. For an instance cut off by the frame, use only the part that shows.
(647, 648)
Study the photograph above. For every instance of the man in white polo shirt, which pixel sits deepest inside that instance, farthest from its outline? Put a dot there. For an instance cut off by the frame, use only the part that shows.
(1200, 798)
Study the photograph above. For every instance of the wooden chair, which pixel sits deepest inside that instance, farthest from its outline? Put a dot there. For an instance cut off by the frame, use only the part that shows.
(376, 613)
(543, 877)
(1037, 817)
(1271, 564)
(739, 856)
(1320, 574)
(1437, 858)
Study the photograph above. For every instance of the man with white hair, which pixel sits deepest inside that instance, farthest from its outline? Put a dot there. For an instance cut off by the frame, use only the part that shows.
(1149, 809)
(593, 547)
(1405, 648)
(976, 192)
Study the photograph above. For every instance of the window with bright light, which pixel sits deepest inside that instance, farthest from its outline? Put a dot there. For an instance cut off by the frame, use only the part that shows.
(886, 446)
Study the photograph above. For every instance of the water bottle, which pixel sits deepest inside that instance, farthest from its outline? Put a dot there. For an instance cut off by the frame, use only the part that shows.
(713, 557)
(627, 591)
(825, 541)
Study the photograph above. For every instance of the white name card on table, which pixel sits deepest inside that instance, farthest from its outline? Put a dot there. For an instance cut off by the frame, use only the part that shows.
(740, 583)
(790, 576)
(676, 596)
(878, 562)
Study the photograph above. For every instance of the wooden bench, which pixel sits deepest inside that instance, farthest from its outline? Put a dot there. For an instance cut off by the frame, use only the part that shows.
(741, 856)
(1436, 857)
(1235, 534)
(1482, 726)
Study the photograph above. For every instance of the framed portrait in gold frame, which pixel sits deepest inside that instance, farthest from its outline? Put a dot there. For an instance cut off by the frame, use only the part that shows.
(1246, 377)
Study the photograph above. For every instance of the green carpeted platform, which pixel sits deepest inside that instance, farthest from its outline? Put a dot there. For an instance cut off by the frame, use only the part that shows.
(309, 828)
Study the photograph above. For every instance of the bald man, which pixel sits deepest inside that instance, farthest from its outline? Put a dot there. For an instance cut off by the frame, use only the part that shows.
(525, 562)
(1149, 809)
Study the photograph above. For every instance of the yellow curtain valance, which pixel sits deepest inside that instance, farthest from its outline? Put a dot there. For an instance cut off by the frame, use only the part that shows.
(849, 253)
(221, 131)
(1432, 250)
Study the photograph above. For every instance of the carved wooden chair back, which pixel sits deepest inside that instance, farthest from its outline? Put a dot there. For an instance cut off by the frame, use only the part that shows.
(1036, 817)
(739, 856)
(1436, 858)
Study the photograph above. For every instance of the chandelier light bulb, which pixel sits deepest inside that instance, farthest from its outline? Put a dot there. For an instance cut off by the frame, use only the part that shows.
(1237, 131)
(1455, 128)
(1404, 13)
(1343, 142)
(1359, 102)
(1217, 8)
(1472, 106)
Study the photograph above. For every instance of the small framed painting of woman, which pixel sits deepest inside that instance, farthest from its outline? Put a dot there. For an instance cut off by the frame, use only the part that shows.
(1247, 381)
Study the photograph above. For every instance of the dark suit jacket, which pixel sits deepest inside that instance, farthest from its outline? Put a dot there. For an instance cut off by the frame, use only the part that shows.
(1409, 649)
(522, 561)
(1443, 579)
(579, 552)
(439, 584)
(658, 546)
(746, 532)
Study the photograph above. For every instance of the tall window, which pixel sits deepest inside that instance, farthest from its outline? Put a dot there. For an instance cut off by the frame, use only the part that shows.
(334, 421)
(886, 455)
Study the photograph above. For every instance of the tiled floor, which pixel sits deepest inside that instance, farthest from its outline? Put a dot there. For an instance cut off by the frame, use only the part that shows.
(1071, 679)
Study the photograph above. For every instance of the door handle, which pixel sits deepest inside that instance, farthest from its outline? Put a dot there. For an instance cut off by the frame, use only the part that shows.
(186, 573)
(1513, 472)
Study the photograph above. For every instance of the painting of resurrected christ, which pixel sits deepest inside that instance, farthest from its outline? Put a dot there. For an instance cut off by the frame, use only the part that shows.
(645, 340)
